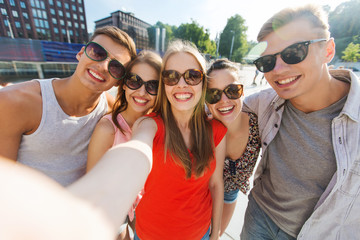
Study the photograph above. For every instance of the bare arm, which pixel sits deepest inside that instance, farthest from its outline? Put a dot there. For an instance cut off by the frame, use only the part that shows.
(124, 168)
(101, 140)
(20, 108)
(216, 187)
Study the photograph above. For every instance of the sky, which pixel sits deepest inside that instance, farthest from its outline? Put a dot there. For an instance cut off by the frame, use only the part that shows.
(210, 14)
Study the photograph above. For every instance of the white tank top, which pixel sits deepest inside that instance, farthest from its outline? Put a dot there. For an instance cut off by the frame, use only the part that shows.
(59, 146)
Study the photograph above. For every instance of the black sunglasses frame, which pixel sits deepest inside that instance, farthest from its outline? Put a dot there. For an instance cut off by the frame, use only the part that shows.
(267, 63)
(123, 69)
(185, 75)
(215, 98)
(142, 82)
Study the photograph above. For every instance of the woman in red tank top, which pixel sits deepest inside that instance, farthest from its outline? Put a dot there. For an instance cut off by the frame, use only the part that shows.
(184, 191)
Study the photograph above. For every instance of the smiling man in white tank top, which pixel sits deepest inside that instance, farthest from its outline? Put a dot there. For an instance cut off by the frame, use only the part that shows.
(47, 124)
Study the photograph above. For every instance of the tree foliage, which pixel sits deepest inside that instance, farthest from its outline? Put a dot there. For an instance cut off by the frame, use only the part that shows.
(345, 24)
(236, 28)
(196, 34)
(351, 53)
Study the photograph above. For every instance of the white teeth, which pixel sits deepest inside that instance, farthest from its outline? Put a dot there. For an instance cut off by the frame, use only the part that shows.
(183, 96)
(285, 81)
(96, 76)
(225, 109)
(139, 100)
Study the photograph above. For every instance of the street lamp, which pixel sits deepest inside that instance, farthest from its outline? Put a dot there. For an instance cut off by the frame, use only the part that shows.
(232, 44)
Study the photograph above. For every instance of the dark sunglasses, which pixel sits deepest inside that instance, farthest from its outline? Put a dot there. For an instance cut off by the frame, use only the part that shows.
(232, 91)
(191, 76)
(293, 54)
(96, 52)
(134, 82)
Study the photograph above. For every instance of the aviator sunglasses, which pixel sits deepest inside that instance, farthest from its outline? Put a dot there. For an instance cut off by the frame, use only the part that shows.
(96, 52)
(293, 54)
(191, 76)
(232, 91)
(134, 82)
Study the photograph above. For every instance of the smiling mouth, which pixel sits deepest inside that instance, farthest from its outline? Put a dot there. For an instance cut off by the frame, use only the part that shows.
(286, 81)
(226, 109)
(95, 75)
(182, 96)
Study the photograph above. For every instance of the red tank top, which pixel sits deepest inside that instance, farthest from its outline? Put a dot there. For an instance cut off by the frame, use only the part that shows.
(174, 207)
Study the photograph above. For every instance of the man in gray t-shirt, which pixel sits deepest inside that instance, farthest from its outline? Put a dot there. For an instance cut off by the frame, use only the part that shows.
(307, 132)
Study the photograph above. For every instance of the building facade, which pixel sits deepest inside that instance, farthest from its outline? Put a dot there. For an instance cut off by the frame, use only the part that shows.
(53, 20)
(127, 22)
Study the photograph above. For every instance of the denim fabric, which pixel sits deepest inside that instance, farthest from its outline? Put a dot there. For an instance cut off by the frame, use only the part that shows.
(336, 215)
(230, 197)
(259, 226)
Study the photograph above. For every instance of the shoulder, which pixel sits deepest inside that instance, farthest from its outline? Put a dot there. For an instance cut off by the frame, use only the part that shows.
(105, 124)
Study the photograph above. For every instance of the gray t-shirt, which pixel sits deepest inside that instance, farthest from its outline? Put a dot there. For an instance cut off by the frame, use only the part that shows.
(300, 164)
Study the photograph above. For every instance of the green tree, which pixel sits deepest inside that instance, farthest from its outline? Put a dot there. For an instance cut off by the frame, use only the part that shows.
(235, 28)
(351, 53)
(344, 23)
(196, 34)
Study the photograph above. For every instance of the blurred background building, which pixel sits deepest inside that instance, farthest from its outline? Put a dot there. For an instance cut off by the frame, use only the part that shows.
(53, 20)
(136, 28)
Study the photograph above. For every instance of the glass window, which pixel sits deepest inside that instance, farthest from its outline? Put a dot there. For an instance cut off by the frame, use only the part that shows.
(51, 2)
(75, 16)
(27, 25)
(62, 22)
(12, 2)
(22, 4)
(3, 12)
(25, 15)
(6, 22)
(42, 5)
(1, 1)
(34, 12)
(46, 24)
(61, 13)
(54, 20)
(79, 1)
(67, 14)
(76, 25)
(41, 23)
(74, 8)
(44, 14)
(15, 13)
(81, 17)
(17, 24)
(39, 13)
(80, 9)
(63, 31)
(32, 3)
(56, 30)
(36, 22)
(52, 11)
(69, 24)
(83, 26)
(59, 4)
(66, 5)
(71, 32)
(37, 3)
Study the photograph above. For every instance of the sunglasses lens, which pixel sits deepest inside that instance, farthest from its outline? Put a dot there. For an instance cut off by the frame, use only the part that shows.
(170, 77)
(133, 82)
(116, 69)
(152, 87)
(95, 52)
(193, 76)
(294, 53)
(266, 63)
(213, 95)
(234, 91)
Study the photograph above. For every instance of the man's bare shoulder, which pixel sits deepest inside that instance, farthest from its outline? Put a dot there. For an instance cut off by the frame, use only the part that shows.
(28, 93)
(21, 105)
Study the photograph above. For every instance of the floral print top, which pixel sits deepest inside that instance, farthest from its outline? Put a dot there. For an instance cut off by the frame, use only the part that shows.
(237, 172)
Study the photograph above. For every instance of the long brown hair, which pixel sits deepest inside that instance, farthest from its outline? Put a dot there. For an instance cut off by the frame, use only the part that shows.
(201, 131)
(120, 105)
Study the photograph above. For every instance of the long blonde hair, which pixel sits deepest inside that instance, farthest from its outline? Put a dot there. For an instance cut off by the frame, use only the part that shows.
(201, 131)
